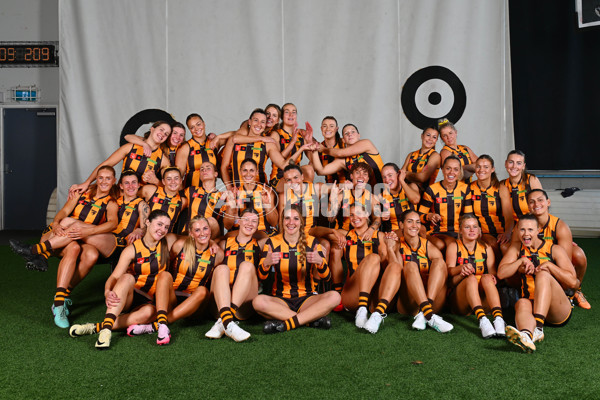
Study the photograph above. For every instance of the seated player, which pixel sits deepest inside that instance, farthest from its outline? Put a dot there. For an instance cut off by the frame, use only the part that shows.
(132, 284)
(422, 165)
(356, 151)
(464, 154)
(444, 202)
(397, 197)
(472, 277)
(519, 183)
(205, 200)
(183, 289)
(234, 284)
(294, 258)
(81, 219)
(490, 202)
(167, 198)
(251, 194)
(545, 270)
(557, 230)
(367, 261)
(423, 289)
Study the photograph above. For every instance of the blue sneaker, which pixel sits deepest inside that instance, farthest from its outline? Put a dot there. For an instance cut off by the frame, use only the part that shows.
(60, 316)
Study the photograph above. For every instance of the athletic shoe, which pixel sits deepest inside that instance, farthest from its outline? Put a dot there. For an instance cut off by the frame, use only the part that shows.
(60, 316)
(164, 335)
(420, 322)
(580, 300)
(500, 326)
(217, 331)
(68, 303)
(234, 331)
(274, 326)
(37, 263)
(436, 322)
(141, 329)
(103, 341)
(374, 322)
(538, 335)
(321, 323)
(487, 330)
(22, 249)
(82, 329)
(339, 308)
(520, 339)
(361, 317)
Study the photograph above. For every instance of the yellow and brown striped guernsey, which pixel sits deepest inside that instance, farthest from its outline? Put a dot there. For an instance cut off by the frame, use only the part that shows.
(417, 161)
(463, 155)
(129, 216)
(253, 199)
(203, 203)
(236, 253)
(284, 140)
(172, 154)
(518, 197)
(397, 204)
(342, 175)
(417, 255)
(146, 266)
(292, 280)
(356, 250)
(450, 204)
(487, 206)
(91, 211)
(171, 205)
(137, 161)
(537, 256)
(374, 161)
(198, 154)
(365, 198)
(477, 258)
(308, 201)
(189, 277)
(548, 231)
(256, 151)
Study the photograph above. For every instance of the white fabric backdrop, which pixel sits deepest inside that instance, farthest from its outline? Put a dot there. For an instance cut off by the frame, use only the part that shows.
(223, 58)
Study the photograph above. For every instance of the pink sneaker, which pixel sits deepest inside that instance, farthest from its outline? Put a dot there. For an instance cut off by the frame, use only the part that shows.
(164, 335)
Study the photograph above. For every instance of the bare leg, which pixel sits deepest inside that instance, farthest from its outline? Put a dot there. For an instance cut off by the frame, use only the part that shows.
(361, 281)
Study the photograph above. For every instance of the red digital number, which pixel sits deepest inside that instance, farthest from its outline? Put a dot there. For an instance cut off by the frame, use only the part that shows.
(46, 54)
(28, 54)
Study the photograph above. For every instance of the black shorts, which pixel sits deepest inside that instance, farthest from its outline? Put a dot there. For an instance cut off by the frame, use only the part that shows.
(296, 303)
(140, 299)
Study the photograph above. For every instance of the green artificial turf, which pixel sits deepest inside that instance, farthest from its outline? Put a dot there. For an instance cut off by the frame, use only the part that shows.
(41, 361)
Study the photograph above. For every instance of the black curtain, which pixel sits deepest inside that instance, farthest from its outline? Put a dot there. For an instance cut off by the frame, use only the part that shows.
(556, 85)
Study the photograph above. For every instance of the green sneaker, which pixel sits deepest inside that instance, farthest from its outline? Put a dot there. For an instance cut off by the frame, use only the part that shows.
(82, 330)
(103, 341)
(60, 316)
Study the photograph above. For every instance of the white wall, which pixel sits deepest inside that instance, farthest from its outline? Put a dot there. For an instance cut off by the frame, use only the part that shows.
(29, 20)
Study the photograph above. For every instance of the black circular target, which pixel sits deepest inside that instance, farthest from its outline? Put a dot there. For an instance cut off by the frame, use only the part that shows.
(141, 118)
(408, 98)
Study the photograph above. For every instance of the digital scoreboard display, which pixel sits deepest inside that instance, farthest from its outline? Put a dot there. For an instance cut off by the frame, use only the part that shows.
(28, 54)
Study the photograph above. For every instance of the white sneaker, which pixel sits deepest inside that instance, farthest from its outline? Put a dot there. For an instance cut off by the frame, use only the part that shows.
(420, 322)
(520, 339)
(217, 331)
(361, 317)
(82, 329)
(538, 335)
(437, 323)
(103, 341)
(235, 332)
(487, 330)
(500, 326)
(374, 322)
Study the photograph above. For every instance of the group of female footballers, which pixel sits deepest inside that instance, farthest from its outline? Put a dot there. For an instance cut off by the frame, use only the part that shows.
(371, 238)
